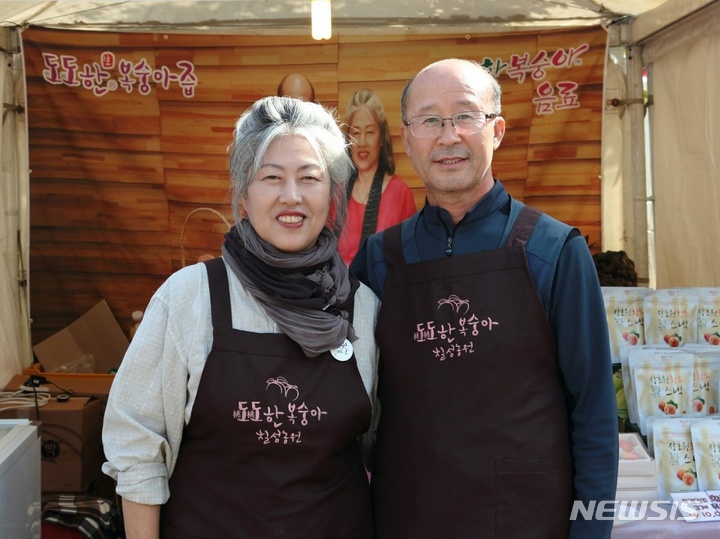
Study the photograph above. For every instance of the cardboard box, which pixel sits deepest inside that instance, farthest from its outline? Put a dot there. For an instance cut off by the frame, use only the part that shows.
(94, 340)
(71, 441)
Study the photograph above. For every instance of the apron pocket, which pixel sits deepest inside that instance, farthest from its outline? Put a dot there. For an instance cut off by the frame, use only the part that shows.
(533, 496)
(394, 505)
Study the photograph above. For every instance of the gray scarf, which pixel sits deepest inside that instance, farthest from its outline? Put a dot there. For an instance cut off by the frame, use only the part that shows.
(304, 292)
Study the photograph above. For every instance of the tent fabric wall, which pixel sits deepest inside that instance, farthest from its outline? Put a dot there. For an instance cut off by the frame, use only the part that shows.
(14, 327)
(685, 138)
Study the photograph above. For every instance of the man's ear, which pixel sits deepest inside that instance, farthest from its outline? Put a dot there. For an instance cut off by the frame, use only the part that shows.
(404, 134)
(498, 131)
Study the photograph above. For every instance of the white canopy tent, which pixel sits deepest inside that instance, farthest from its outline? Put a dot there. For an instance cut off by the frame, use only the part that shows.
(677, 41)
(359, 16)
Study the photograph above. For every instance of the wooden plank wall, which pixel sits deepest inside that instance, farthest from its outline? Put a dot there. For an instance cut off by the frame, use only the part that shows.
(114, 177)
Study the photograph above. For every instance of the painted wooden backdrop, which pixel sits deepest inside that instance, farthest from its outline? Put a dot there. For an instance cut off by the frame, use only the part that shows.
(128, 137)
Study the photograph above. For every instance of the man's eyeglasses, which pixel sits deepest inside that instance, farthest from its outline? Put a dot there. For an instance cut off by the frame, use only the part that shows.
(465, 122)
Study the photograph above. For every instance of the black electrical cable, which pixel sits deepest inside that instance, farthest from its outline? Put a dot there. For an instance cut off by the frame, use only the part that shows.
(37, 406)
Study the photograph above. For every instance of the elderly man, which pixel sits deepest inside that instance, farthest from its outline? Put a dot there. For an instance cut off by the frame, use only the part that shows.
(497, 404)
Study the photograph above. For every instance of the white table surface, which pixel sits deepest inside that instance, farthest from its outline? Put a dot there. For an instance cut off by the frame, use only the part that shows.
(666, 529)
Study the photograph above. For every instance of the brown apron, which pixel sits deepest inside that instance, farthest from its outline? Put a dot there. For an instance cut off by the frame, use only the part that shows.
(270, 450)
(473, 436)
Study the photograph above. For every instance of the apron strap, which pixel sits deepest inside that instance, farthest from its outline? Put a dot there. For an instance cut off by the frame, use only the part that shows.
(219, 293)
(519, 235)
(392, 246)
(523, 227)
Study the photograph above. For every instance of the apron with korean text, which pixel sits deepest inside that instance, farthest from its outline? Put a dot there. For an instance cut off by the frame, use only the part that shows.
(473, 436)
(270, 450)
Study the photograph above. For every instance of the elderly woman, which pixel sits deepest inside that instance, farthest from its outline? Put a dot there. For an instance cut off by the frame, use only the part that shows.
(377, 198)
(240, 405)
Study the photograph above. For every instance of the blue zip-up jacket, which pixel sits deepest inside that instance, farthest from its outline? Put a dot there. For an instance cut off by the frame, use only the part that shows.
(566, 280)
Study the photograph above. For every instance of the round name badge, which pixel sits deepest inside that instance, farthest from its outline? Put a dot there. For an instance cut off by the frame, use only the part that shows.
(343, 352)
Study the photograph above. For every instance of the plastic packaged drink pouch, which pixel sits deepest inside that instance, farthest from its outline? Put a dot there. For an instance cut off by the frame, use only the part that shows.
(706, 379)
(674, 457)
(627, 377)
(625, 317)
(663, 383)
(706, 447)
(671, 317)
(708, 316)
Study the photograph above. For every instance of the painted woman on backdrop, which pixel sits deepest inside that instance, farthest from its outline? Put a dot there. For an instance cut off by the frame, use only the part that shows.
(377, 198)
(241, 405)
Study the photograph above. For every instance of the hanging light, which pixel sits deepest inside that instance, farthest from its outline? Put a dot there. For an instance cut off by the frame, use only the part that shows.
(321, 19)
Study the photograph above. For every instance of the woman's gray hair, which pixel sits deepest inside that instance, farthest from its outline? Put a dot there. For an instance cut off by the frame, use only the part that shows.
(273, 117)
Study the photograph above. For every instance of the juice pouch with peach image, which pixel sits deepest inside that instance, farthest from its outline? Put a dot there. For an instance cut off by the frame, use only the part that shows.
(663, 383)
(674, 457)
(625, 317)
(706, 447)
(671, 317)
(706, 378)
(644, 351)
(651, 420)
(708, 316)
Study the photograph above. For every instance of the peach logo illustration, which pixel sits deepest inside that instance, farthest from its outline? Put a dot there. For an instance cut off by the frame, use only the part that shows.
(687, 476)
(285, 386)
(673, 340)
(713, 338)
(698, 404)
(669, 407)
(632, 337)
(460, 306)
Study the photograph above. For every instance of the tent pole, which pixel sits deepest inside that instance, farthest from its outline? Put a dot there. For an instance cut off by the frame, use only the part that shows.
(23, 180)
(635, 237)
